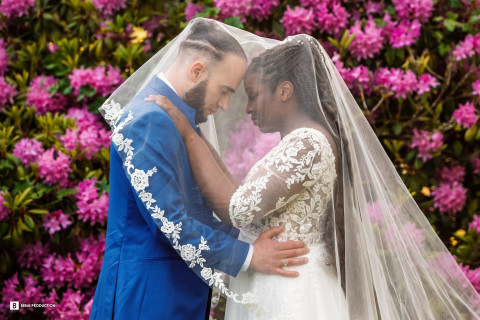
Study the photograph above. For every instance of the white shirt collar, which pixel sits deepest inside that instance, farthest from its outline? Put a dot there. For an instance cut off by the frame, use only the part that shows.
(162, 77)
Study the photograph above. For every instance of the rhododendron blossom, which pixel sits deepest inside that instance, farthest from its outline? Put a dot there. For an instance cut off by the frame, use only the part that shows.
(298, 20)
(426, 142)
(40, 97)
(449, 198)
(28, 150)
(15, 8)
(53, 167)
(465, 115)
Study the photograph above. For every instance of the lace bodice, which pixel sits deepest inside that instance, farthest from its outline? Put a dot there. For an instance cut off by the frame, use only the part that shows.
(292, 186)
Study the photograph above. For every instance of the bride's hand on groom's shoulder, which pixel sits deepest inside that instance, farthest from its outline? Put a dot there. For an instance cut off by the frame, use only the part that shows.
(270, 256)
(181, 122)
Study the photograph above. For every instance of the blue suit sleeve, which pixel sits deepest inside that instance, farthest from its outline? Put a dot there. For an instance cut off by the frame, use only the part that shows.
(150, 147)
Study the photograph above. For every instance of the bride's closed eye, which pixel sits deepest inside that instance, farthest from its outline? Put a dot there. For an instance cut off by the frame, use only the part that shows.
(252, 98)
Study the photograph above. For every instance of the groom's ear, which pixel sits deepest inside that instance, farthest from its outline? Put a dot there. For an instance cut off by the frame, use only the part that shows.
(285, 90)
(198, 71)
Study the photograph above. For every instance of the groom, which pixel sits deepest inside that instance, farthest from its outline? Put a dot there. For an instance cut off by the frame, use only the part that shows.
(162, 241)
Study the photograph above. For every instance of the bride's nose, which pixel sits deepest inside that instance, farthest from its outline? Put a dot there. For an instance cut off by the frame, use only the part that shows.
(249, 108)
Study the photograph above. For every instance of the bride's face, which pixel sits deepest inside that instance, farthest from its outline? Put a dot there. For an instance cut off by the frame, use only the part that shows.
(261, 104)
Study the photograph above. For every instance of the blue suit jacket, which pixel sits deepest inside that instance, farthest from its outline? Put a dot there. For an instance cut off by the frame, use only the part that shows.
(142, 275)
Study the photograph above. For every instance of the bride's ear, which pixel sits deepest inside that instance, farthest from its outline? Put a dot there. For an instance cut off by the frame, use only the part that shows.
(285, 90)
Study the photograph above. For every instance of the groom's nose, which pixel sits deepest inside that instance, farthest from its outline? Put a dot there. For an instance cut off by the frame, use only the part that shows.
(223, 104)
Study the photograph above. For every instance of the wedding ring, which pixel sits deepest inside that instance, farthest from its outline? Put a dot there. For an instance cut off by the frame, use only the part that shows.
(169, 107)
(285, 262)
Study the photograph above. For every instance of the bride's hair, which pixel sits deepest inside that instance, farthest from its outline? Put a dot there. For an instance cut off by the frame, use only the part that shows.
(300, 61)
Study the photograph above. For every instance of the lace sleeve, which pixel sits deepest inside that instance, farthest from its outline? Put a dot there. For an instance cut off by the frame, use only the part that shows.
(300, 159)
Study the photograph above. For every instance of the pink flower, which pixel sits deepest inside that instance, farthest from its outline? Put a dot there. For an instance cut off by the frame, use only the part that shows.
(56, 221)
(30, 292)
(3, 57)
(90, 205)
(71, 305)
(53, 167)
(409, 236)
(52, 47)
(403, 82)
(15, 8)
(228, 8)
(83, 118)
(468, 47)
(108, 7)
(414, 9)
(331, 17)
(91, 139)
(376, 211)
(476, 87)
(7, 92)
(4, 211)
(473, 275)
(452, 174)
(57, 271)
(191, 10)
(242, 154)
(426, 142)
(475, 162)
(104, 79)
(405, 34)
(426, 82)
(373, 7)
(366, 43)
(465, 115)
(28, 150)
(39, 95)
(261, 9)
(449, 198)
(298, 20)
(32, 255)
(475, 224)
(89, 257)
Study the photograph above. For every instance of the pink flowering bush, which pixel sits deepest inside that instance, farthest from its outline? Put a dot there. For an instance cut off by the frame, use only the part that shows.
(40, 97)
(465, 115)
(15, 8)
(242, 154)
(412, 65)
(3, 57)
(449, 198)
(28, 150)
(7, 92)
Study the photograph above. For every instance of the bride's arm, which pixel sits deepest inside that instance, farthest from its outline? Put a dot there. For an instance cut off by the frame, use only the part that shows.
(220, 162)
(214, 183)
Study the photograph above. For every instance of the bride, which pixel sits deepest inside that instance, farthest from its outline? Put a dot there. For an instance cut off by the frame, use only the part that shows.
(330, 184)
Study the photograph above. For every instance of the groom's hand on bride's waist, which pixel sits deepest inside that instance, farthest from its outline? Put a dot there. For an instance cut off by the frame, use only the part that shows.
(270, 256)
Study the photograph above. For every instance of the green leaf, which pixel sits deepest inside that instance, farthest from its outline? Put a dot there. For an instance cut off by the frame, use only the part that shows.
(457, 148)
(234, 22)
(29, 221)
(450, 24)
(397, 128)
(38, 211)
(66, 192)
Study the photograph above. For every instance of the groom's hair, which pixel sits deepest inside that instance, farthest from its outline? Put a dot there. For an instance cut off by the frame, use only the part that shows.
(206, 39)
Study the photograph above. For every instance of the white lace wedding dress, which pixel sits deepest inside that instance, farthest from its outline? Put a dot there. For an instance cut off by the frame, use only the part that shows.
(292, 186)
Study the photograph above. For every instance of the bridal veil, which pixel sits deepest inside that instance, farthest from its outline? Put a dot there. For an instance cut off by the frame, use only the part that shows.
(390, 262)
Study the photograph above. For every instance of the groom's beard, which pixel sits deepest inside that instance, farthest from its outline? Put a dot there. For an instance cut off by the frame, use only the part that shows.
(195, 98)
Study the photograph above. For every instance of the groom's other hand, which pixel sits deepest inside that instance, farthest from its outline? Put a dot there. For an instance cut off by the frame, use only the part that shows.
(269, 255)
